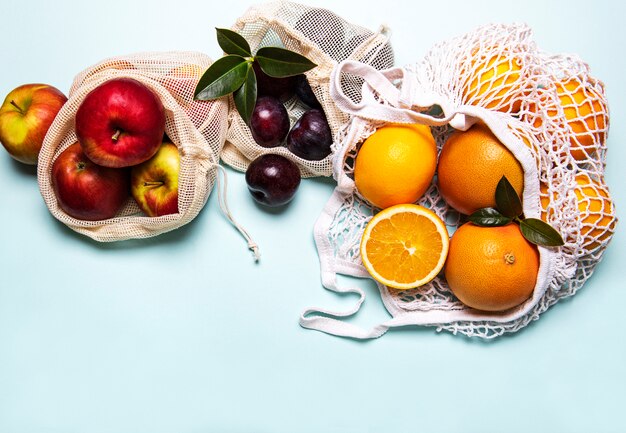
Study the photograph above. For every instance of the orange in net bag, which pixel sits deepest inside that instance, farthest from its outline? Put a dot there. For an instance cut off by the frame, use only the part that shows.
(573, 100)
(544, 125)
(197, 128)
(325, 39)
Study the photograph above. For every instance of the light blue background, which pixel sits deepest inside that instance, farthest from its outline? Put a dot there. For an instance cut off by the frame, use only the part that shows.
(184, 333)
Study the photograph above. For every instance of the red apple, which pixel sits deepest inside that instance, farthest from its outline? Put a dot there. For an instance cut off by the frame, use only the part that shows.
(154, 183)
(25, 116)
(120, 123)
(85, 190)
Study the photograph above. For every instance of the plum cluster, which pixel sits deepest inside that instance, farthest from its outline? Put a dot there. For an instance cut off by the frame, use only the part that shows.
(310, 138)
(273, 179)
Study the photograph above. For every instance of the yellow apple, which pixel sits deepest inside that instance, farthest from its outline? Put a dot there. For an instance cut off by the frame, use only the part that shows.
(25, 117)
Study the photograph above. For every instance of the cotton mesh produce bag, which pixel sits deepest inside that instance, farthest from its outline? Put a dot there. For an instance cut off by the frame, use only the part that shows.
(531, 101)
(325, 39)
(197, 128)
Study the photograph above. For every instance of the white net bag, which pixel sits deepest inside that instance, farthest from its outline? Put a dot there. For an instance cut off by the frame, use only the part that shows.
(325, 39)
(197, 128)
(546, 109)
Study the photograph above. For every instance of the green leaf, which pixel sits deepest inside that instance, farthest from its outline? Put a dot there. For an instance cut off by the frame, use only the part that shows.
(507, 200)
(222, 78)
(233, 43)
(435, 111)
(489, 217)
(245, 96)
(279, 62)
(540, 233)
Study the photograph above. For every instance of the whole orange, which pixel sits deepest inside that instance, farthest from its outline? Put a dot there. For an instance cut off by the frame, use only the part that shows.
(586, 116)
(396, 164)
(494, 81)
(471, 164)
(597, 214)
(491, 268)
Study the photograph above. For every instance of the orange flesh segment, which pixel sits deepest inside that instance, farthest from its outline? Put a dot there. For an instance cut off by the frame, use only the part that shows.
(404, 248)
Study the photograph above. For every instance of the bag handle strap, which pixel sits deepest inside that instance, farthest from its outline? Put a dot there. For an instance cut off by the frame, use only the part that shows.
(326, 320)
(381, 99)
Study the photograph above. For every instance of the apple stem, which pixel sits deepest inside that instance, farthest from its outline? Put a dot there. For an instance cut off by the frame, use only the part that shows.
(152, 183)
(116, 135)
(17, 106)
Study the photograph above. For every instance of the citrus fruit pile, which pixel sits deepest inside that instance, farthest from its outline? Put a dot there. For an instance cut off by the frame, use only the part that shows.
(491, 262)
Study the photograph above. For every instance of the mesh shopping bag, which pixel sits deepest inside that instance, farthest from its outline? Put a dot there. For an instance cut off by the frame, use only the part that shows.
(325, 39)
(532, 103)
(197, 128)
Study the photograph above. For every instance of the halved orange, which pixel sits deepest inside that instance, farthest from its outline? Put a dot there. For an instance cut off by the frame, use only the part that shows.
(404, 246)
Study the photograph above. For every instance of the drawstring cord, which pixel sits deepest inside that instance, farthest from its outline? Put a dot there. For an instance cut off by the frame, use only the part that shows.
(200, 153)
(222, 189)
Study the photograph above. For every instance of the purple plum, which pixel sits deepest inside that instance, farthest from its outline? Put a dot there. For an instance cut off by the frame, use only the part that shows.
(311, 137)
(272, 180)
(269, 122)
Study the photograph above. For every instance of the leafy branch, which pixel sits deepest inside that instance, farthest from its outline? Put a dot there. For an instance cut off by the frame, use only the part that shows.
(509, 209)
(234, 73)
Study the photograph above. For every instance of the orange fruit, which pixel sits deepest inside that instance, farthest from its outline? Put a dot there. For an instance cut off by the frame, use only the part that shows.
(471, 164)
(396, 164)
(189, 70)
(494, 81)
(586, 116)
(597, 215)
(525, 137)
(404, 246)
(491, 268)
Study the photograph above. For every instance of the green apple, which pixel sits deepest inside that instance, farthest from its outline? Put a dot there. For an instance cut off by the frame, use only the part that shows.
(25, 117)
(154, 183)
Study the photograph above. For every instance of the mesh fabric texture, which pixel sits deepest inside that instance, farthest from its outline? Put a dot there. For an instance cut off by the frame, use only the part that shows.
(546, 109)
(325, 39)
(197, 128)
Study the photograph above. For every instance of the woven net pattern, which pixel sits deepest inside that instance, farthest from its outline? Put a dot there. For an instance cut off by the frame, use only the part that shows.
(551, 114)
(197, 128)
(325, 39)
